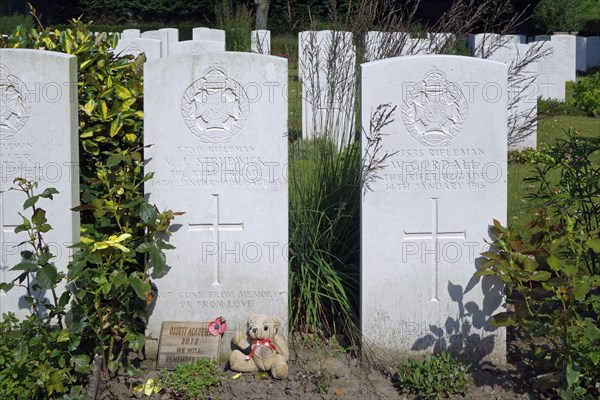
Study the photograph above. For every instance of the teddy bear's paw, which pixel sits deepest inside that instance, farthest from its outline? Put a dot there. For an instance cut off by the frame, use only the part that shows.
(279, 371)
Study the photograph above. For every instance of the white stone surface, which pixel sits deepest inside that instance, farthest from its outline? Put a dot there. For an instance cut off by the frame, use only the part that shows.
(150, 47)
(172, 37)
(197, 47)
(161, 35)
(326, 65)
(439, 40)
(425, 216)
(218, 126)
(593, 51)
(38, 142)
(417, 46)
(381, 45)
(480, 42)
(581, 63)
(260, 42)
(567, 53)
(131, 34)
(216, 35)
(522, 39)
(553, 71)
(523, 90)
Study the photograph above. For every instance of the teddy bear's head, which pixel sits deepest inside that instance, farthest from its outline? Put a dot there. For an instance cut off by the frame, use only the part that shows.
(263, 326)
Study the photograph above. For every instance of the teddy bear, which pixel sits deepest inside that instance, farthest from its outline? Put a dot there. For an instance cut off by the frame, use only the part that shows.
(260, 348)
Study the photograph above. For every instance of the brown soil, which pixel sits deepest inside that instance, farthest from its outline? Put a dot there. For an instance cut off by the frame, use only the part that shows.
(319, 374)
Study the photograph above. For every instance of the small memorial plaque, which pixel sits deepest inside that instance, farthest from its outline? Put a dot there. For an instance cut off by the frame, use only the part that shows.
(182, 342)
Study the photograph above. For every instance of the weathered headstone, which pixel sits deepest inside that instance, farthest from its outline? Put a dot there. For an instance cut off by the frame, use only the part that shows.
(131, 34)
(481, 42)
(196, 47)
(567, 53)
(326, 63)
(218, 124)
(380, 45)
(172, 37)
(522, 91)
(134, 47)
(515, 38)
(260, 42)
(417, 46)
(161, 35)
(593, 52)
(216, 35)
(553, 71)
(38, 142)
(581, 63)
(426, 215)
(439, 41)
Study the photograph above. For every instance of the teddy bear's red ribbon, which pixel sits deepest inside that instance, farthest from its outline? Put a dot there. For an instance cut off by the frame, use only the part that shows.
(260, 342)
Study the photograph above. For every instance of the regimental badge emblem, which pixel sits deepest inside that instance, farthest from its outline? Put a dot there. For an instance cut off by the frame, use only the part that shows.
(434, 110)
(215, 107)
(134, 49)
(15, 104)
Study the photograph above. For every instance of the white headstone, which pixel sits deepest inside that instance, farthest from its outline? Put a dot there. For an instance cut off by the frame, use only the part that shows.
(131, 34)
(150, 47)
(480, 42)
(38, 142)
(542, 38)
(172, 37)
(380, 45)
(197, 47)
(553, 71)
(425, 217)
(593, 52)
(161, 35)
(516, 38)
(439, 40)
(418, 46)
(567, 52)
(581, 63)
(218, 126)
(216, 35)
(326, 65)
(522, 91)
(260, 42)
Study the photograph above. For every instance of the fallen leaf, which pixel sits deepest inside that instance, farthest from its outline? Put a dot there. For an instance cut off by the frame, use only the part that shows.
(236, 376)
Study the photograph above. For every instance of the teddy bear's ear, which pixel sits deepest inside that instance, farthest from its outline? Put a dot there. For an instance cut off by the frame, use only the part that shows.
(252, 318)
(276, 323)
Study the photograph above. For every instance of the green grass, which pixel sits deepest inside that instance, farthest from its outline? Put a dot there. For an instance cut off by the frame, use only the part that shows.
(521, 210)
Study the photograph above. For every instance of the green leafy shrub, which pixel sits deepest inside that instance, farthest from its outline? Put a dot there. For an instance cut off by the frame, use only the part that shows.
(586, 94)
(438, 375)
(110, 275)
(200, 379)
(40, 357)
(552, 270)
(8, 23)
(552, 108)
(559, 15)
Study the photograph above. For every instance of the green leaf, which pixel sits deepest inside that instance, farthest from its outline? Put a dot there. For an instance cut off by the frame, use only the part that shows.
(21, 353)
(503, 319)
(74, 269)
(594, 244)
(24, 266)
(48, 193)
(540, 276)
(148, 214)
(573, 372)
(81, 363)
(47, 276)
(91, 147)
(141, 287)
(30, 202)
(103, 110)
(581, 289)
(122, 92)
(4, 286)
(158, 260)
(554, 263)
(144, 247)
(39, 217)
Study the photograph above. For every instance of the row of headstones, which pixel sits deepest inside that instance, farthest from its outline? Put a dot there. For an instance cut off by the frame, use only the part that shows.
(585, 49)
(326, 65)
(218, 131)
(165, 42)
